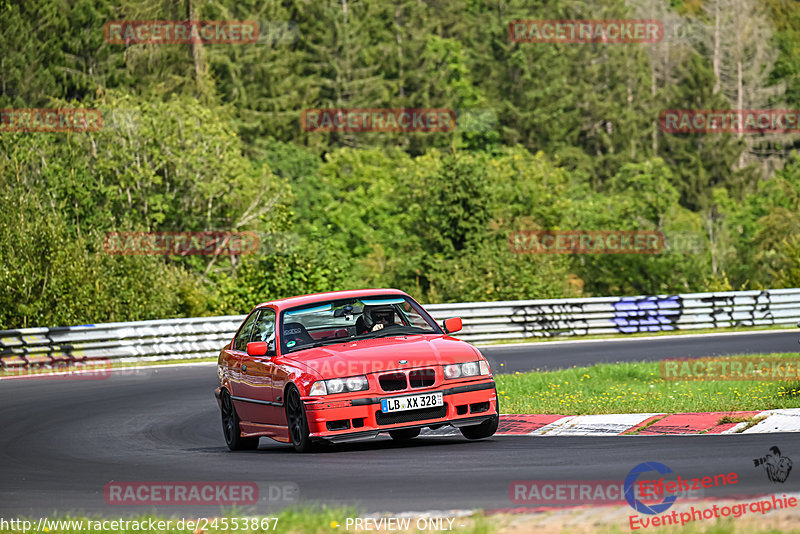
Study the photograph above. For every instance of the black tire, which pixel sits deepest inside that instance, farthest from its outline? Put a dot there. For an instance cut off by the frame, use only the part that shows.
(230, 426)
(297, 421)
(404, 434)
(483, 430)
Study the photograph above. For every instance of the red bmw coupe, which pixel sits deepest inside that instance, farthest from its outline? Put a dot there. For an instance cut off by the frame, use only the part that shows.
(348, 365)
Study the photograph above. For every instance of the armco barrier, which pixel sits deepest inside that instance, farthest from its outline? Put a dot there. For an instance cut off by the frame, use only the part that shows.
(488, 321)
(483, 322)
(135, 341)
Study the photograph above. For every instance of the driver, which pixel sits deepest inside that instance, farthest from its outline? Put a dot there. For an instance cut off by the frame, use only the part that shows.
(374, 318)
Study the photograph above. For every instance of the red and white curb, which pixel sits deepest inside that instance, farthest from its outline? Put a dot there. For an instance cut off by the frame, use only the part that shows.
(643, 424)
(787, 420)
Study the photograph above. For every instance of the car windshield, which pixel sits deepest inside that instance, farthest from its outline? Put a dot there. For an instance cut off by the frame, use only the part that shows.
(342, 320)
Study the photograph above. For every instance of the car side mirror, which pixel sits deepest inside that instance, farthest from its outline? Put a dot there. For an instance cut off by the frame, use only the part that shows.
(453, 324)
(260, 348)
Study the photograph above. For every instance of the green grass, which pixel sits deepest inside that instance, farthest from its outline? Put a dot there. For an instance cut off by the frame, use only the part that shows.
(637, 387)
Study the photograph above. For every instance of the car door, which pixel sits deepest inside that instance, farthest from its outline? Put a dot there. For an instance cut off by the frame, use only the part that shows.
(238, 369)
(257, 372)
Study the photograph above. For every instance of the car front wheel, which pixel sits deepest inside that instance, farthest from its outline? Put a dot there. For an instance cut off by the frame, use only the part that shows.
(230, 426)
(297, 421)
(483, 430)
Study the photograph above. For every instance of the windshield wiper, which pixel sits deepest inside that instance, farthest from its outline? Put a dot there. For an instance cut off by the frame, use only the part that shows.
(320, 343)
(388, 332)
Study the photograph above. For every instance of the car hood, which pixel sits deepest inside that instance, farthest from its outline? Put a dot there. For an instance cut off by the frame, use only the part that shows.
(366, 356)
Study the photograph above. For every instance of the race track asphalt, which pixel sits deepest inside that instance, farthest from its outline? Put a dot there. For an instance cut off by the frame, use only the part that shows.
(63, 441)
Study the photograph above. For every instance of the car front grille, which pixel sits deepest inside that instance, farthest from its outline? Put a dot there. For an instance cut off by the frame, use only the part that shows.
(398, 381)
(392, 418)
(393, 382)
(422, 378)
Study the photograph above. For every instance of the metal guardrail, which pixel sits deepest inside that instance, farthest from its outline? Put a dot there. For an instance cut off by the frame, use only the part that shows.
(488, 321)
(483, 322)
(126, 342)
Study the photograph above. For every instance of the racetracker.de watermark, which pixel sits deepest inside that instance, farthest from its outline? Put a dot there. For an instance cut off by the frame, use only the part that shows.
(90, 369)
(578, 492)
(586, 31)
(150, 524)
(731, 368)
(174, 493)
(50, 120)
(347, 368)
(378, 120)
(724, 121)
(685, 242)
(586, 242)
(210, 243)
(181, 31)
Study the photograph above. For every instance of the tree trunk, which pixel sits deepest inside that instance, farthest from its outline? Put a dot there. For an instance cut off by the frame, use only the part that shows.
(740, 102)
(712, 244)
(655, 122)
(400, 76)
(196, 46)
(717, 48)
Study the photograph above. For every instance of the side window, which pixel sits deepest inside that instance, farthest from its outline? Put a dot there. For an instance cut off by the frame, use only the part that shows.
(243, 337)
(265, 329)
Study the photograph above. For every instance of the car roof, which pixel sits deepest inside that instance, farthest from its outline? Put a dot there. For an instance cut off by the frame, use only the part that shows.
(291, 302)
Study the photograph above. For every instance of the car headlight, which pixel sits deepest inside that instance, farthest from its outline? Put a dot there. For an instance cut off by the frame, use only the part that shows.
(339, 385)
(469, 369)
(452, 371)
(356, 383)
(335, 386)
(461, 370)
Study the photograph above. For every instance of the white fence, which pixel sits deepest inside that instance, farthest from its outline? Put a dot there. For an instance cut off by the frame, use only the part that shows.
(483, 322)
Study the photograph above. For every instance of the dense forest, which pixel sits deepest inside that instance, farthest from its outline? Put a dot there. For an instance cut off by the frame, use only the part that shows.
(562, 136)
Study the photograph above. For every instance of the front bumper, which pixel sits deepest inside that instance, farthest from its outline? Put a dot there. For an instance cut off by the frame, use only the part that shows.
(355, 418)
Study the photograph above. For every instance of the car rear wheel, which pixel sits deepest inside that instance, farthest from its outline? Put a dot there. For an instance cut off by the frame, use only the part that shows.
(297, 421)
(404, 434)
(231, 429)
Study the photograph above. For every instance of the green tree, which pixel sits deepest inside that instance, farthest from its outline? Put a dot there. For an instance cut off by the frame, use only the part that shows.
(703, 161)
(51, 278)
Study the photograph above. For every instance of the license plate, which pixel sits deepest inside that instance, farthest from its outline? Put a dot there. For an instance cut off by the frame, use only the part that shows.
(412, 402)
